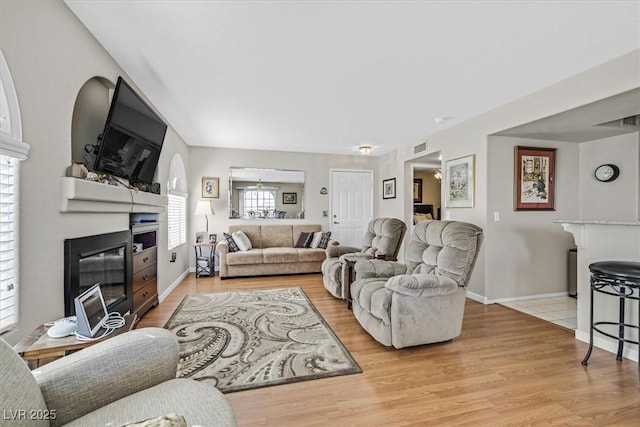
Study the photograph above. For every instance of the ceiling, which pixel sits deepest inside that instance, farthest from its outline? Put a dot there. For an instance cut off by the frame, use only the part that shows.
(327, 76)
(600, 119)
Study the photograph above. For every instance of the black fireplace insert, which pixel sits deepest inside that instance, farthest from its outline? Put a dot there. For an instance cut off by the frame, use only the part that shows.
(106, 259)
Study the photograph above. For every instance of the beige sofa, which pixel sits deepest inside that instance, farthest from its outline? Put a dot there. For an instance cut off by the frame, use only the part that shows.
(273, 251)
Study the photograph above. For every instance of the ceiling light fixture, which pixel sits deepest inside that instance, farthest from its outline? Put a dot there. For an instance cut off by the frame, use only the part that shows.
(440, 120)
(365, 149)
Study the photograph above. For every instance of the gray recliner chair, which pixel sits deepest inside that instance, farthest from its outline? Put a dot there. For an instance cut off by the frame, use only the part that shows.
(127, 378)
(422, 300)
(383, 236)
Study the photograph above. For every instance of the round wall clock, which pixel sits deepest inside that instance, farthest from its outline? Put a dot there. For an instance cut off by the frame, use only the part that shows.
(607, 173)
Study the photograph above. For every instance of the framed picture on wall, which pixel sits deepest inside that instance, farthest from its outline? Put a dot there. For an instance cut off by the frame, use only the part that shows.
(417, 190)
(210, 188)
(534, 178)
(460, 182)
(289, 198)
(389, 188)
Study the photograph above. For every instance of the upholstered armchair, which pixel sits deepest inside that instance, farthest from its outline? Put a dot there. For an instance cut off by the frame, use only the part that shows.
(383, 236)
(124, 379)
(422, 300)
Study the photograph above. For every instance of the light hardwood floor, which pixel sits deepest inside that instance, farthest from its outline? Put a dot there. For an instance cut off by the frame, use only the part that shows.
(506, 369)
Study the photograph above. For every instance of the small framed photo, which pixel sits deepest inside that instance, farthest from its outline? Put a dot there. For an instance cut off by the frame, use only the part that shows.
(213, 238)
(289, 198)
(201, 237)
(210, 188)
(460, 182)
(417, 190)
(534, 179)
(389, 188)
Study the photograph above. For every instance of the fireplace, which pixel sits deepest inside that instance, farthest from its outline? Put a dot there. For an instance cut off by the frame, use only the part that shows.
(106, 259)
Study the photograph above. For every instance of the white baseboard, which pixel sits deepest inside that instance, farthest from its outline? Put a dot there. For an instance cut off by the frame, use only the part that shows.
(629, 351)
(479, 298)
(165, 294)
(484, 300)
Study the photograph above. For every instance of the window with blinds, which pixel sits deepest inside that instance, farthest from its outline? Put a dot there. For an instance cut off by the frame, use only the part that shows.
(12, 150)
(8, 232)
(176, 220)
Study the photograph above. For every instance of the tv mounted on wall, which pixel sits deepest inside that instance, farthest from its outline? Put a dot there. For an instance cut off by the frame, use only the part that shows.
(130, 144)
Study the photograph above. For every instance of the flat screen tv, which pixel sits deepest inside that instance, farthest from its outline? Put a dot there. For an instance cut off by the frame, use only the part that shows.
(132, 138)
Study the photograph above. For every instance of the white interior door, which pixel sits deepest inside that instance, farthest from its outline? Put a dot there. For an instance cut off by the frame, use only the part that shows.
(351, 205)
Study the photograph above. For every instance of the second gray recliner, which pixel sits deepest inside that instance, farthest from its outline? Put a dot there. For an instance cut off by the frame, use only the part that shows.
(383, 236)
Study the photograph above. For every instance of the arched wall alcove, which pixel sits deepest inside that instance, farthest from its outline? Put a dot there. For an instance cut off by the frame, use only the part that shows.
(89, 116)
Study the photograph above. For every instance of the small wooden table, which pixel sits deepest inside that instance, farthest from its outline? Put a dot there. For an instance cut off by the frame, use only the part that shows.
(38, 348)
(349, 261)
(205, 263)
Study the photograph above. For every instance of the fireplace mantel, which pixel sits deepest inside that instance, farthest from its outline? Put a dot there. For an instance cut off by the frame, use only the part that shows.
(78, 195)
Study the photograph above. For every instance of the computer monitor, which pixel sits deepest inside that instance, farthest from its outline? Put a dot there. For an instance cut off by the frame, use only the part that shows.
(91, 311)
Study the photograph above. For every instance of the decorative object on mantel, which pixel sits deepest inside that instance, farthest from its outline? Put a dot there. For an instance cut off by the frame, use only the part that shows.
(77, 170)
(389, 188)
(460, 182)
(210, 188)
(534, 178)
(250, 339)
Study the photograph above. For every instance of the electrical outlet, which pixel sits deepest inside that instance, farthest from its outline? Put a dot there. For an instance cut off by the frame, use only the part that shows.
(325, 214)
(496, 216)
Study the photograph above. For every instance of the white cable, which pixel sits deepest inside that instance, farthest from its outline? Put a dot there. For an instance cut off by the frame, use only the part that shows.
(113, 322)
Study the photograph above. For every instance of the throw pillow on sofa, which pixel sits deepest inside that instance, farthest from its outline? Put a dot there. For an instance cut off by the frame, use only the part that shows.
(241, 239)
(316, 240)
(320, 240)
(233, 246)
(304, 240)
(324, 240)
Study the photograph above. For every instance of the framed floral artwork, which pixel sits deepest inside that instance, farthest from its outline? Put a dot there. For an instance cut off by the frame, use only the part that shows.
(460, 182)
(210, 188)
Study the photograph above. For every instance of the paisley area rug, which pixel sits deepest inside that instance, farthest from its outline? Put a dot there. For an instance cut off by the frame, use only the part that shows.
(250, 339)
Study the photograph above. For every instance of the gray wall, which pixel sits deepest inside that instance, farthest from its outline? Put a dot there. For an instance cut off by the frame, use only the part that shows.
(51, 56)
(528, 252)
(616, 200)
(491, 281)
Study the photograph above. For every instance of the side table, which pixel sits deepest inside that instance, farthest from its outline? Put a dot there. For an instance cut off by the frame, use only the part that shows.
(38, 348)
(205, 262)
(348, 262)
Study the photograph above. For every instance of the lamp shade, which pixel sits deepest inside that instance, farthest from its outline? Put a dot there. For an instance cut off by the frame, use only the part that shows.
(204, 207)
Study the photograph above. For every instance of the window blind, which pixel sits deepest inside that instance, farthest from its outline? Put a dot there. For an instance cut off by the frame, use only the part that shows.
(176, 220)
(8, 232)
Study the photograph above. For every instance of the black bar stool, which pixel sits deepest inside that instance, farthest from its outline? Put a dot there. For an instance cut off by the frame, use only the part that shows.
(620, 279)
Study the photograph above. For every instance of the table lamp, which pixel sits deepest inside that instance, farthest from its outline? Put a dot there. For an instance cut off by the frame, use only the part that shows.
(205, 208)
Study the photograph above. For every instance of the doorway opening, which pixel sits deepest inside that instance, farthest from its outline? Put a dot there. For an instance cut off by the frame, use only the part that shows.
(426, 201)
